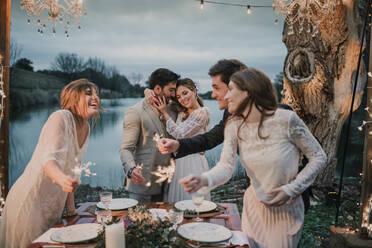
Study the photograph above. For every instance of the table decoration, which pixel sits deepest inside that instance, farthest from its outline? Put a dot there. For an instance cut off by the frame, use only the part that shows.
(115, 235)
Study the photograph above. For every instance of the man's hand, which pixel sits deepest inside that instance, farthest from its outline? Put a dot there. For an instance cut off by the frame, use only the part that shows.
(280, 198)
(136, 176)
(167, 146)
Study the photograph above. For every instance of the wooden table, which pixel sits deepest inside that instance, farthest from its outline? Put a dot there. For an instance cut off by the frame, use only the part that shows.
(230, 218)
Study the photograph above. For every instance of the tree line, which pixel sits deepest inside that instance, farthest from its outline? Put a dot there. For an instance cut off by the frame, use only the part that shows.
(70, 66)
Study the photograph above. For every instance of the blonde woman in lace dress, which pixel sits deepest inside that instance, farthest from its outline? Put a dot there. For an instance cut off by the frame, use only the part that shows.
(37, 199)
(269, 141)
(191, 121)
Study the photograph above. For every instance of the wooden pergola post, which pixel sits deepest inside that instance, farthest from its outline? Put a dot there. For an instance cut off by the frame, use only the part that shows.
(4, 131)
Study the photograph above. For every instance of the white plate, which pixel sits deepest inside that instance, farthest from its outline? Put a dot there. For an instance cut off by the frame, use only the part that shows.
(204, 232)
(76, 233)
(119, 204)
(158, 213)
(188, 205)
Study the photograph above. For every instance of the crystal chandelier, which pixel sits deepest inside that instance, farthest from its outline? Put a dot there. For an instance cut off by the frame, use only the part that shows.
(308, 14)
(62, 12)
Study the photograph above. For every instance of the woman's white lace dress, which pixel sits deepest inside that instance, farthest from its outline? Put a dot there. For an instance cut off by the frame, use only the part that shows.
(271, 163)
(196, 163)
(35, 203)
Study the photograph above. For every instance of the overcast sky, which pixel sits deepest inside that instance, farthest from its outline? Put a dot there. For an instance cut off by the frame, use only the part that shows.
(138, 36)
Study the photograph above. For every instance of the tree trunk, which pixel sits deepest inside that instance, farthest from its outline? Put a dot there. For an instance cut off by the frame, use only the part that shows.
(4, 130)
(319, 74)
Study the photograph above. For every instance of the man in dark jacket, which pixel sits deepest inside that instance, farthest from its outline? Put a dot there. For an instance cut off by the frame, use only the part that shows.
(220, 74)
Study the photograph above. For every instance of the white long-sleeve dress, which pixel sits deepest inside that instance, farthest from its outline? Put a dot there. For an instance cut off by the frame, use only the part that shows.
(35, 203)
(271, 163)
(196, 164)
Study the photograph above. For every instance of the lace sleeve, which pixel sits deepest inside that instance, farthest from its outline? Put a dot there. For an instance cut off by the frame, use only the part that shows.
(223, 170)
(301, 136)
(198, 120)
(53, 139)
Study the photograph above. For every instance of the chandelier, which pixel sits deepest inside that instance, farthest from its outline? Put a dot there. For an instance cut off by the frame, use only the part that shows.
(308, 14)
(62, 12)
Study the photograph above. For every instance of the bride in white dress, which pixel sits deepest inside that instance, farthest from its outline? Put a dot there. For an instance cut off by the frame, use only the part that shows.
(37, 199)
(193, 120)
(269, 141)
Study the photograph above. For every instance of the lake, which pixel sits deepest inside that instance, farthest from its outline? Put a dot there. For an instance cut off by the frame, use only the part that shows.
(104, 144)
(105, 140)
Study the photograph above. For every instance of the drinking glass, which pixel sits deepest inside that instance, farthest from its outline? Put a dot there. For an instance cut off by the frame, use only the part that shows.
(197, 199)
(175, 216)
(104, 216)
(106, 198)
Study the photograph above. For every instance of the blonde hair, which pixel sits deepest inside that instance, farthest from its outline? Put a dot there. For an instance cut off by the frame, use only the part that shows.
(71, 95)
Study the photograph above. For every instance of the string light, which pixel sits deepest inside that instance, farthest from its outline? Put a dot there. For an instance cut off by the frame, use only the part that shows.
(248, 9)
(2, 91)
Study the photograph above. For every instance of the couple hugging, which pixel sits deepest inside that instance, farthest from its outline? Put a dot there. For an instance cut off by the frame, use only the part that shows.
(172, 109)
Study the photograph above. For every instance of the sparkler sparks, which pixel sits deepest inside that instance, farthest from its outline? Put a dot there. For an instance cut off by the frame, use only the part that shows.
(157, 137)
(165, 173)
(81, 167)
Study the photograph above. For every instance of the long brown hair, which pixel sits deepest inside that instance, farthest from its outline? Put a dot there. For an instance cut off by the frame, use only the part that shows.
(71, 95)
(261, 94)
(188, 83)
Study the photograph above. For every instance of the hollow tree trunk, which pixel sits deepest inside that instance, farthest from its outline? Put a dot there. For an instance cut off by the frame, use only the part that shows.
(319, 74)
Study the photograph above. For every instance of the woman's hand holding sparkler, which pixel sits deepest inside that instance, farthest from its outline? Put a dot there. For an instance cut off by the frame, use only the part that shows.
(193, 183)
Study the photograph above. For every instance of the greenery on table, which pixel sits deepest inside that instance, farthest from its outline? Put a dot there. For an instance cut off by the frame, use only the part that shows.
(145, 232)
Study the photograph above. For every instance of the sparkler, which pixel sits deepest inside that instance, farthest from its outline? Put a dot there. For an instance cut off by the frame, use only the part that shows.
(165, 173)
(81, 167)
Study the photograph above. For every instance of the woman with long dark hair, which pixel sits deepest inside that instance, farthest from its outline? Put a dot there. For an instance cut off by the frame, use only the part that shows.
(269, 141)
(193, 119)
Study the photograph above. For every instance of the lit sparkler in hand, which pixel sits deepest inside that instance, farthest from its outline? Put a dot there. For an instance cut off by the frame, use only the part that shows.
(165, 173)
(157, 137)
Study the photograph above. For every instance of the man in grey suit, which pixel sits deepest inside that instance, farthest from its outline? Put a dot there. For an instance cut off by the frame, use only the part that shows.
(138, 147)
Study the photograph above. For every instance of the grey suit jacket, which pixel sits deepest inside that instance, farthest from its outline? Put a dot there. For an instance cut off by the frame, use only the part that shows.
(138, 146)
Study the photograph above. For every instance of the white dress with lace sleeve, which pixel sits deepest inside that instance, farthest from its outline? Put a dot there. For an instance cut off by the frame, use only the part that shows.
(271, 163)
(35, 203)
(196, 164)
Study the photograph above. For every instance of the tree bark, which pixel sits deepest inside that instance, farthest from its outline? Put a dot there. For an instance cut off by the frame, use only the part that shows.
(319, 74)
(4, 131)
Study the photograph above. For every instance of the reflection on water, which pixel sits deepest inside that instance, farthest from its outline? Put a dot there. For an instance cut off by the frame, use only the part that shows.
(103, 148)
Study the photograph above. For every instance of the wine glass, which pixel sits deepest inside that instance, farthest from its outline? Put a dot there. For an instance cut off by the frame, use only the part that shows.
(106, 198)
(175, 216)
(197, 199)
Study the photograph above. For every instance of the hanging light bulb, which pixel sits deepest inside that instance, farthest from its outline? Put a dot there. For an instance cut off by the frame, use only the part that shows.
(201, 4)
(249, 10)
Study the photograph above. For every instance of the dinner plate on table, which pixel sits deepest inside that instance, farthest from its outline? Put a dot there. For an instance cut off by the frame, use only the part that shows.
(76, 233)
(204, 232)
(119, 204)
(206, 206)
